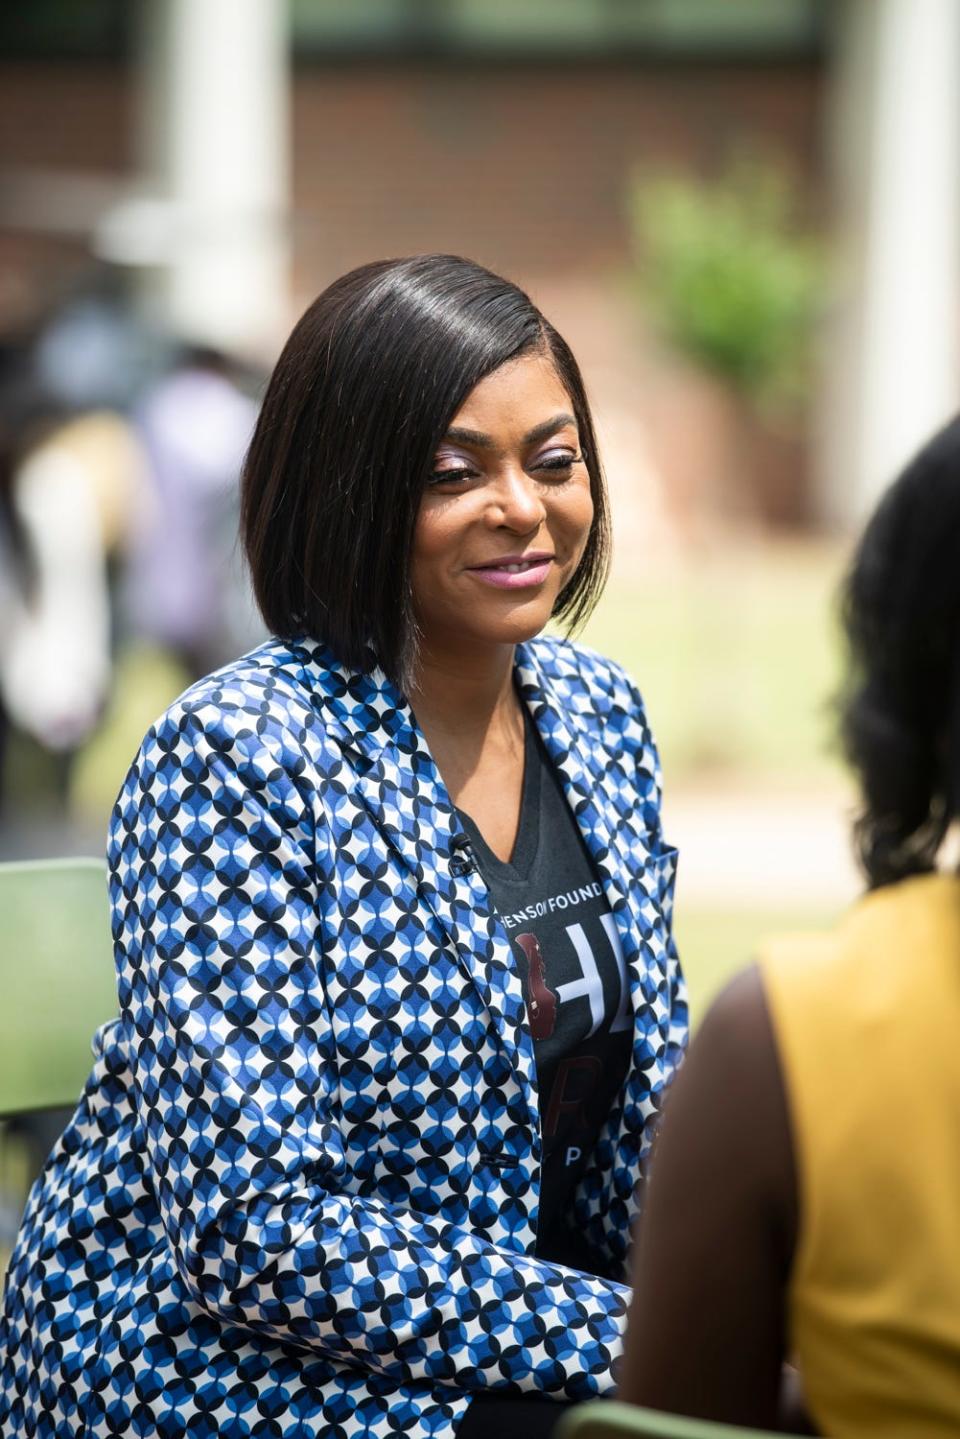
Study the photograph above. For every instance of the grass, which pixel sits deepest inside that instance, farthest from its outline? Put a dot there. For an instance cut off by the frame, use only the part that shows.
(715, 943)
(146, 681)
(737, 657)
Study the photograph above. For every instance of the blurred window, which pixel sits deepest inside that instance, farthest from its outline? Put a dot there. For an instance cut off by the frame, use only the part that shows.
(68, 29)
(709, 28)
(685, 28)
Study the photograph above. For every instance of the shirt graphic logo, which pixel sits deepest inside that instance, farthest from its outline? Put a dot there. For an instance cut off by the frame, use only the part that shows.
(590, 986)
(541, 1000)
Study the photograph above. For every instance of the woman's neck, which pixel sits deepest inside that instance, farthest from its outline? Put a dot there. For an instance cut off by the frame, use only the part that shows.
(465, 695)
(472, 719)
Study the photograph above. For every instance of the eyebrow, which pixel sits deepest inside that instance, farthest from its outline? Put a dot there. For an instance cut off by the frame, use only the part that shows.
(486, 442)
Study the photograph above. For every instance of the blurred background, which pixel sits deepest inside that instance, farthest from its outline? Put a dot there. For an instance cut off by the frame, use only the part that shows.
(741, 213)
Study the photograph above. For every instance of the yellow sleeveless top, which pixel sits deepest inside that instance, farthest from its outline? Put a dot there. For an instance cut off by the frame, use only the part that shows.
(867, 1021)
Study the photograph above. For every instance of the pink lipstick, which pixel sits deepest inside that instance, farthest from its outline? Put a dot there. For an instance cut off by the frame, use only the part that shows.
(514, 572)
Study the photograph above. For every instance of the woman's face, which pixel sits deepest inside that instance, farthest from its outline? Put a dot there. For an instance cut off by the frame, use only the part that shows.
(506, 513)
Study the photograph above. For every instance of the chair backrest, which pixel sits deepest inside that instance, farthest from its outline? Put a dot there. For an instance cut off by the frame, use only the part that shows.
(56, 979)
(605, 1419)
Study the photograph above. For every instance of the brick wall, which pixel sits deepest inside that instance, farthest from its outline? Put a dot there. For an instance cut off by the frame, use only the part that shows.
(522, 167)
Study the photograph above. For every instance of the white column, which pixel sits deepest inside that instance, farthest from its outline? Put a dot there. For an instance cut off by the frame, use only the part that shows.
(214, 128)
(893, 362)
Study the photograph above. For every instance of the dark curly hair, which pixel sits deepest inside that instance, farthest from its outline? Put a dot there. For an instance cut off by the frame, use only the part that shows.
(900, 718)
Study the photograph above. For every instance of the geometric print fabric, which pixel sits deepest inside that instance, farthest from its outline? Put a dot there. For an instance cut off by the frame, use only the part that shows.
(299, 1194)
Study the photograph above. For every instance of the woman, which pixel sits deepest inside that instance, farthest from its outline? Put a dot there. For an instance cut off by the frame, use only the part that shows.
(322, 1181)
(807, 1188)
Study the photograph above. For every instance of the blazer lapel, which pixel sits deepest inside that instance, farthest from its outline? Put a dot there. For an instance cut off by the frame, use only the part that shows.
(573, 751)
(568, 727)
(400, 786)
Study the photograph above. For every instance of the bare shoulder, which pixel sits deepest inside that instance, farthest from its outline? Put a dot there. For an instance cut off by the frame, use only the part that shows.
(707, 1329)
(728, 1114)
(736, 1035)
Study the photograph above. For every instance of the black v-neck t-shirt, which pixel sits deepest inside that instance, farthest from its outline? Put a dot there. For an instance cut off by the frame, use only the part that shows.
(564, 939)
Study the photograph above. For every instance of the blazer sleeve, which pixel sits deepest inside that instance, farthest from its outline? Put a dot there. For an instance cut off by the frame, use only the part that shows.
(664, 866)
(216, 894)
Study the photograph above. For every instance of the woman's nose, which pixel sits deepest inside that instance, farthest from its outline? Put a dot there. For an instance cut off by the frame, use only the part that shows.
(516, 502)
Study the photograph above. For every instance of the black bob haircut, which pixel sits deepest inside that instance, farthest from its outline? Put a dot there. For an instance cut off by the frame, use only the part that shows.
(901, 710)
(360, 398)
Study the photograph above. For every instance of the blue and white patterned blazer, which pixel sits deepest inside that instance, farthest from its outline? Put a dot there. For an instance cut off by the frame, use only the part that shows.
(299, 1196)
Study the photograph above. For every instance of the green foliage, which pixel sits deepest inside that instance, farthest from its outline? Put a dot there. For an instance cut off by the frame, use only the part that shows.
(732, 281)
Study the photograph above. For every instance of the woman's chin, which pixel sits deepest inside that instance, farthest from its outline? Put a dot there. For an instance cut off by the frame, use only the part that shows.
(522, 619)
(514, 635)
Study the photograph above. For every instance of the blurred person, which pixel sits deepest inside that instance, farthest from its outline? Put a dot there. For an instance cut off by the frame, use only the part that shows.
(185, 589)
(805, 1192)
(66, 487)
(350, 1161)
(94, 351)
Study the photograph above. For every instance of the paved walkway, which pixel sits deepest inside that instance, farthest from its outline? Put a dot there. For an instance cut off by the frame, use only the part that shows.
(744, 848)
(49, 837)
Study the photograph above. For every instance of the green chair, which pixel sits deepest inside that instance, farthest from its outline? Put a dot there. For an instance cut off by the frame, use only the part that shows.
(607, 1420)
(56, 980)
